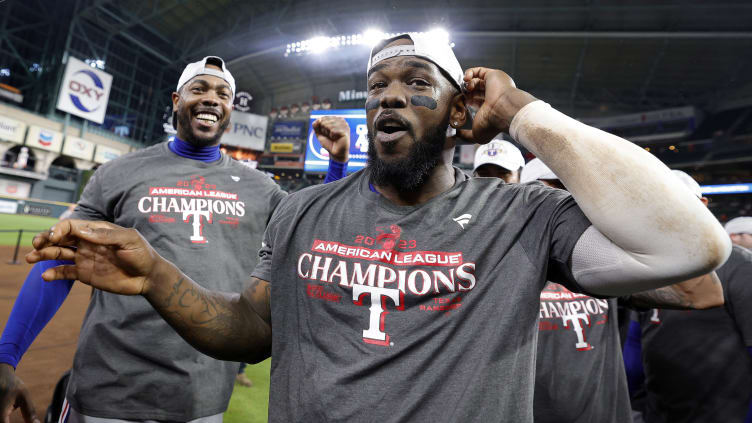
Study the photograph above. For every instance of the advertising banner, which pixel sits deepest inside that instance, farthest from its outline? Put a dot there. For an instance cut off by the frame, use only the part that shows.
(317, 158)
(287, 129)
(85, 91)
(12, 130)
(15, 188)
(44, 139)
(246, 130)
(78, 148)
(104, 154)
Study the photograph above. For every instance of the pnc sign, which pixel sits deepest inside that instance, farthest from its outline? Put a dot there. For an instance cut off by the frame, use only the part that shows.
(246, 130)
(84, 91)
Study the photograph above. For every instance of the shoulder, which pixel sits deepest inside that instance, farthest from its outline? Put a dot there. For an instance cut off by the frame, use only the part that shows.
(248, 173)
(127, 162)
(738, 263)
(529, 194)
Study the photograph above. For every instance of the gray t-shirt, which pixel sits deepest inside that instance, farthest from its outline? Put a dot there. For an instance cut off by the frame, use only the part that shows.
(208, 219)
(580, 370)
(697, 364)
(429, 313)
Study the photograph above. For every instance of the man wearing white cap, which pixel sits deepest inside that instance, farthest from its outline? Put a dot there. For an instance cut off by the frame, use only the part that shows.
(740, 231)
(408, 291)
(583, 332)
(199, 208)
(498, 159)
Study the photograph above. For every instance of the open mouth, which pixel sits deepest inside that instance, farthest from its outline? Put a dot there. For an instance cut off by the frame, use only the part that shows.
(390, 129)
(207, 118)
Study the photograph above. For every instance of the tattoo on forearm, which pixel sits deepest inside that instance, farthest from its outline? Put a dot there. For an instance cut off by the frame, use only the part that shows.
(217, 323)
(174, 291)
(662, 297)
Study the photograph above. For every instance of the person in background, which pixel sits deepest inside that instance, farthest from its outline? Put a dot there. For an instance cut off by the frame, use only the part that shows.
(498, 159)
(580, 374)
(740, 231)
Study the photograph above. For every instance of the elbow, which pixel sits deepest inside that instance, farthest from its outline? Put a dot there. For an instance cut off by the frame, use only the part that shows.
(718, 250)
(713, 250)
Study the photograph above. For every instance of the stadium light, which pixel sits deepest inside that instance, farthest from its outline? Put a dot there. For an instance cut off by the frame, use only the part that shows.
(372, 36)
(439, 34)
(369, 38)
(318, 44)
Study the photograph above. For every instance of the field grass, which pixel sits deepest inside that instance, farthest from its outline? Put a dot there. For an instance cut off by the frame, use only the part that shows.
(22, 221)
(251, 405)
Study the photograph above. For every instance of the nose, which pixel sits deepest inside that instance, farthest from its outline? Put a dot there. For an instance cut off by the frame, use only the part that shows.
(210, 98)
(393, 97)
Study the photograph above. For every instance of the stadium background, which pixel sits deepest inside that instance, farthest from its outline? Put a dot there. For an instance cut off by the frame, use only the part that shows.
(674, 77)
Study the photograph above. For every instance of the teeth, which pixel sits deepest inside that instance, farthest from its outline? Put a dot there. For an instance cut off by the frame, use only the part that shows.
(206, 116)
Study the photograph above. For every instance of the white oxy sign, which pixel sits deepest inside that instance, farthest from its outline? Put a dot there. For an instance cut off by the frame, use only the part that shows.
(85, 91)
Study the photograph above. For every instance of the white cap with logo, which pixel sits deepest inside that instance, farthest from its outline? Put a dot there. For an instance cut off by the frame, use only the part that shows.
(500, 153)
(424, 46)
(739, 225)
(199, 68)
(534, 170)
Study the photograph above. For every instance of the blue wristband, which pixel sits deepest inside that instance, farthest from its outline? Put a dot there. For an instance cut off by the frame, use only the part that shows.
(336, 171)
(35, 305)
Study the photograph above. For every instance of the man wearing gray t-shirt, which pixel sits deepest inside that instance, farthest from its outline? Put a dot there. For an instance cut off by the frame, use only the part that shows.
(407, 291)
(198, 208)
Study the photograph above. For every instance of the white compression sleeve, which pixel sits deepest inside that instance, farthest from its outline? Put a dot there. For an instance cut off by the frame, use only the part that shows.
(631, 198)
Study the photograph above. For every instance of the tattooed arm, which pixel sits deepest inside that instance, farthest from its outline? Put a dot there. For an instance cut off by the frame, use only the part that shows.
(225, 326)
(234, 327)
(698, 293)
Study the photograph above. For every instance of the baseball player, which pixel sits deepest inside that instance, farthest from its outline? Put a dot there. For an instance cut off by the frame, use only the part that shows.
(498, 159)
(580, 374)
(197, 207)
(698, 364)
(740, 231)
(437, 321)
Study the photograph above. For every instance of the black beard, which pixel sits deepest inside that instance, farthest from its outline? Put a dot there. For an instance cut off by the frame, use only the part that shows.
(409, 174)
(184, 121)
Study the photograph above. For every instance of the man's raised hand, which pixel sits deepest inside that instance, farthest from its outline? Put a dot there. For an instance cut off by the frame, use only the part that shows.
(106, 256)
(333, 133)
(497, 100)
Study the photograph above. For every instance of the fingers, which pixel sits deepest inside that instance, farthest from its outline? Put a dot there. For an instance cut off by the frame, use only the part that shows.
(476, 72)
(51, 253)
(68, 232)
(24, 402)
(65, 272)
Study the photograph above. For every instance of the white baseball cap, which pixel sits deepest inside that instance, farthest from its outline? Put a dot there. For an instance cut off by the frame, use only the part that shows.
(199, 68)
(424, 46)
(500, 153)
(739, 225)
(534, 170)
(689, 182)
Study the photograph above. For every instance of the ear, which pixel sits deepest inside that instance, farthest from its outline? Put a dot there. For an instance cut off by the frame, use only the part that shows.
(704, 200)
(457, 111)
(175, 99)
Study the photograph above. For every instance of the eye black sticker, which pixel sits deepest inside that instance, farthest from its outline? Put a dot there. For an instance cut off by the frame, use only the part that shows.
(372, 104)
(421, 100)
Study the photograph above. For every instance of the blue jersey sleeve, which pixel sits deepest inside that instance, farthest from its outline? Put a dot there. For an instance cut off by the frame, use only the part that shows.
(35, 305)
